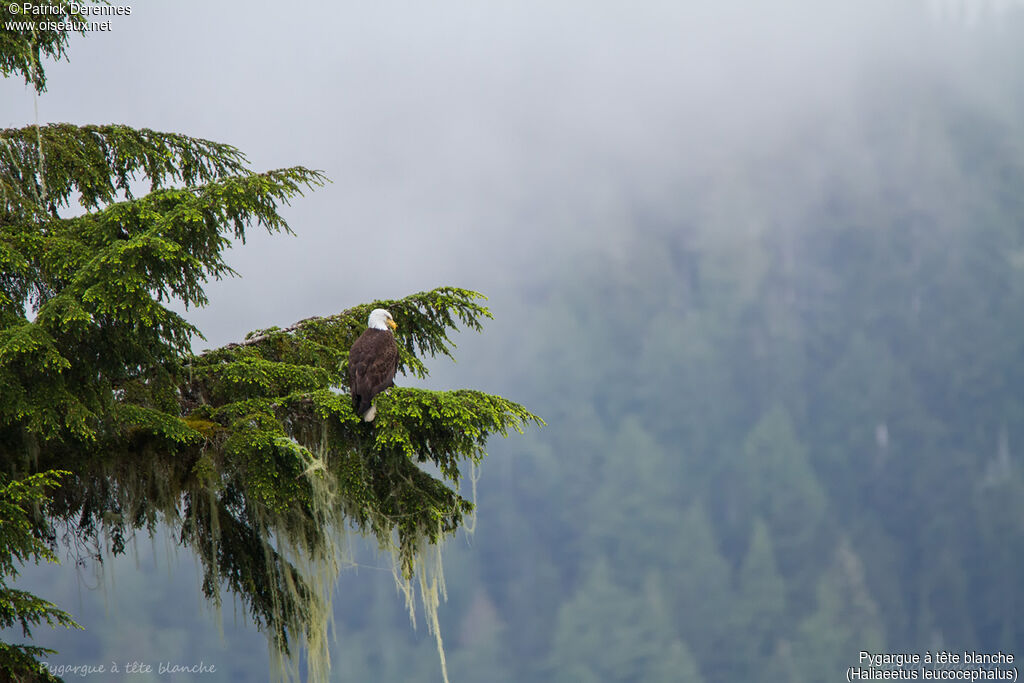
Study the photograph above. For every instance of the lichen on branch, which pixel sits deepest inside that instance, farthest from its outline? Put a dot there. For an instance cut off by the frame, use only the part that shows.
(250, 452)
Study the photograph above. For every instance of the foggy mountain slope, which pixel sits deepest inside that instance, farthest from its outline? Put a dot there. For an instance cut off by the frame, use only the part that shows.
(831, 353)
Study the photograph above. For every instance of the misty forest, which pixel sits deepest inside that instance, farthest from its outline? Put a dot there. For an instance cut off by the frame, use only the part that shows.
(765, 387)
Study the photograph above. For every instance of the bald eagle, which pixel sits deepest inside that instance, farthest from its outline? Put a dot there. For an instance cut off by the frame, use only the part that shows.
(372, 363)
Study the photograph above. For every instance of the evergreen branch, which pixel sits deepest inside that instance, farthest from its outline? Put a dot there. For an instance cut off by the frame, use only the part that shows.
(274, 332)
(21, 663)
(444, 427)
(24, 609)
(424, 321)
(19, 544)
(171, 241)
(100, 282)
(22, 48)
(98, 162)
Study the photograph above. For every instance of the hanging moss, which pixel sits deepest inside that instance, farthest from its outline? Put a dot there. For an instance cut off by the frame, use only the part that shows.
(250, 452)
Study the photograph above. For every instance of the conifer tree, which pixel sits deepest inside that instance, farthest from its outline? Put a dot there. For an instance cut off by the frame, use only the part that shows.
(699, 589)
(250, 452)
(605, 633)
(778, 484)
(761, 607)
(846, 620)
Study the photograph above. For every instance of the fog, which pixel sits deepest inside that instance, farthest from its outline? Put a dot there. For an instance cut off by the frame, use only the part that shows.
(478, 144)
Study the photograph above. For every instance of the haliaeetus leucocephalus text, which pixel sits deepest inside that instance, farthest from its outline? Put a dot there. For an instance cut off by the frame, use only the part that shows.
(372, 363)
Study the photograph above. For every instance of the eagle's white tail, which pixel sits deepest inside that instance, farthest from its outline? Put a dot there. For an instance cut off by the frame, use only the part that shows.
(370, 414)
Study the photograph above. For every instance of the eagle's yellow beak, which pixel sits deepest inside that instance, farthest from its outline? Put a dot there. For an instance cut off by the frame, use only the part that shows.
(391, 323)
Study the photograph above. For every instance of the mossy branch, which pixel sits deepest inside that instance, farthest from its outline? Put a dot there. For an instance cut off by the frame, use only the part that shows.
(251, 450)
(425, 320)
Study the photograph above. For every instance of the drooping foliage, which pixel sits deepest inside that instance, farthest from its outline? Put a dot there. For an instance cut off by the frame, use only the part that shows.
(38, 35)
(18, 545)
(250, 452)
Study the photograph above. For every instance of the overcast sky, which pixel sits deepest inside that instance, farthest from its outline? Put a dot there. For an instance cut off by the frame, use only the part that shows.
(469, 143)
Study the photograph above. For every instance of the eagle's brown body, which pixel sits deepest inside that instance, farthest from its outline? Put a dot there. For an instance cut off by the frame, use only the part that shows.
(372, 363)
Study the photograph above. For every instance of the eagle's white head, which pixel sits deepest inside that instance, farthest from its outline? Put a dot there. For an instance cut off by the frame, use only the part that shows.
(381, 320)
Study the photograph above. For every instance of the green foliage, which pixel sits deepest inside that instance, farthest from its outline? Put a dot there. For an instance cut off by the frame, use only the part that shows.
(263, 445)
(699, 586)
(603, 613)
(22, 49)
(633, 491)
(846, 620)
(761, 605)
(776, 483)
(251, 451)
(42, 167)
(99, 283)
(18, 545)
